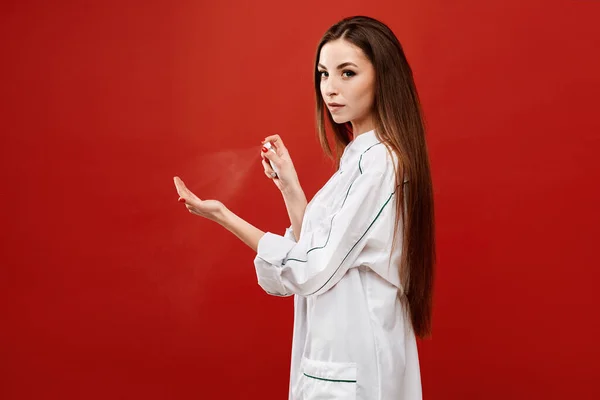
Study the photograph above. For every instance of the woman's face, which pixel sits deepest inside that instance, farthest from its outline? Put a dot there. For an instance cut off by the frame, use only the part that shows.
(348, 80)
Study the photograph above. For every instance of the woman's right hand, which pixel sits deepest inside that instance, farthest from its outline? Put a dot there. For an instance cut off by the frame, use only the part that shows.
(287, 178)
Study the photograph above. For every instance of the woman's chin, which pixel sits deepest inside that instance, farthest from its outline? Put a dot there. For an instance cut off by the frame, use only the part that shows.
(338, 119)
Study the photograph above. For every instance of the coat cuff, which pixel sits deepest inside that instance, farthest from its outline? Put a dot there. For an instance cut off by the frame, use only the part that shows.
(272, 250)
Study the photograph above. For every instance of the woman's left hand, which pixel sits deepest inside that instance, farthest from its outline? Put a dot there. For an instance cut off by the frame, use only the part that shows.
(211, 209)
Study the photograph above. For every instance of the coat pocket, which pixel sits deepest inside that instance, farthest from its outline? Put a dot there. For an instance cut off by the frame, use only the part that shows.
(323, 380)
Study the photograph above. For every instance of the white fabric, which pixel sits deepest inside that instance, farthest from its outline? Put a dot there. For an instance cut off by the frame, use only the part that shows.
(352, 335)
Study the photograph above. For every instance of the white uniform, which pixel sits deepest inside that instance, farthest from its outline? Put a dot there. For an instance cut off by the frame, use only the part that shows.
(352, 334)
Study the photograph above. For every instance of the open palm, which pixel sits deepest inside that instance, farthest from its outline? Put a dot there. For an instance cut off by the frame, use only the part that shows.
(205, 208)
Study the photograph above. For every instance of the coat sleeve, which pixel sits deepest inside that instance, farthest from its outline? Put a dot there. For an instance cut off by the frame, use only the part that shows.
(324, 254)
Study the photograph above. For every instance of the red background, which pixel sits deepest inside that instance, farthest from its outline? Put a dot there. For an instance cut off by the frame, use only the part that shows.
(110, 289)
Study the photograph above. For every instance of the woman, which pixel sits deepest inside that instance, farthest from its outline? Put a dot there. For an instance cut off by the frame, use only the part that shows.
(359, 258)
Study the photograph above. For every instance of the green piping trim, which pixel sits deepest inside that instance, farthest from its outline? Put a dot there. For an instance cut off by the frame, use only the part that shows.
(359, 168)
(332, 218)
(330, 228)
(357, 242)
(330, 380)
(329, 235)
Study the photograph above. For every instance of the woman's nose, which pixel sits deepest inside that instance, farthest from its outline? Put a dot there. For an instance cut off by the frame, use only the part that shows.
(330, 88)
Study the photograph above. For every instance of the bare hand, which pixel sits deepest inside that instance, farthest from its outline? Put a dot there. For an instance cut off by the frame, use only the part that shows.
(211, 209)
(287, 179)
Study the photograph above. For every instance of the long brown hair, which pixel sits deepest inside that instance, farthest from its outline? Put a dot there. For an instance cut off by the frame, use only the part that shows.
(399, 124)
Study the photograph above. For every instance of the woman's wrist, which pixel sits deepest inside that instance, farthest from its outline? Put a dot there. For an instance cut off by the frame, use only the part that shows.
(223, 216)
(293, 192)
(246, 232)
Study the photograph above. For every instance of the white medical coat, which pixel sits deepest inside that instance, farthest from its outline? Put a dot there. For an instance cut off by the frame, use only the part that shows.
(352, 333)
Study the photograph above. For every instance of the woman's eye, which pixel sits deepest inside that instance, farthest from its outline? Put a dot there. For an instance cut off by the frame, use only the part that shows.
(324, 74)
(350, 73)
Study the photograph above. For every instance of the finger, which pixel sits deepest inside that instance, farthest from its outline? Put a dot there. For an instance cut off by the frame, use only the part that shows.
(272, 139)
(180, 186)
(180, 191)
(265, 154)
(276, 141)
(193, 209)
(184, 189)
(178, 182)
(184, 192)
(273, 156)
(267, 168)
(270, 175)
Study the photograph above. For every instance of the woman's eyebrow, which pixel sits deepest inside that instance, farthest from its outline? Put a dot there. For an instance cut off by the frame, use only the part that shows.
(342, 65)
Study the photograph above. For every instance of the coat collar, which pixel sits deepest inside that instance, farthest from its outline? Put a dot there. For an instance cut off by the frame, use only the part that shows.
(360, 144)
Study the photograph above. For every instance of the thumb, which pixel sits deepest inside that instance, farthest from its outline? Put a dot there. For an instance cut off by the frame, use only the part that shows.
(272, 156)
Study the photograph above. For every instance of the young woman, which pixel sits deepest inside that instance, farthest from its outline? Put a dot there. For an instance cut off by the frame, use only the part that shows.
(359, 258)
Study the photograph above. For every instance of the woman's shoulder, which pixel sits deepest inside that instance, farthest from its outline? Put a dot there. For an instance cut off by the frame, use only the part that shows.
(378, 158)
